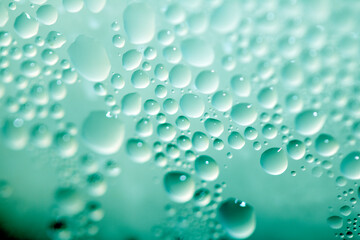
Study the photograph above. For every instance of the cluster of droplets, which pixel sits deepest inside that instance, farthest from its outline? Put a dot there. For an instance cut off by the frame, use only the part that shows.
(218, 79)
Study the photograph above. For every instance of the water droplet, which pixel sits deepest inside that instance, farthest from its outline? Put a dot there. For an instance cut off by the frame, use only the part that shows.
(197, 52)
(309, 122)
(103, 134)
(179, 185)
(26, 26)
(226, 17)
(296, 149)
(131, 59)
(237, 217)
(350, 166)
(47, 14)
(131, 104)
(192, 105)
(139, 22)
(206, 168)
(268, 97)
(222, 101)
(243, 114)
(200, 141)
(180, 76)
(73, 6)
(140, 79)
(166, 132)
(274, 161)
(335, 222)
(138, 150)
(207, 81)
(236, 141)
(214, 127)
(89, 58)
(326, 145)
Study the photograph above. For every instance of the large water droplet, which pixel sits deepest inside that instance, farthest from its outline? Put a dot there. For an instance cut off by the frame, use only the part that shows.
(326, 145)
(206, 168)
(192, 105)
(243, 114)
(350, 166)
(139, 22)
(89, 58)
(309, 122)
(238, 218)
(26, 26)
(179, 185)
(197, 52)
(274, 161)
(103, 134)
(138, 150)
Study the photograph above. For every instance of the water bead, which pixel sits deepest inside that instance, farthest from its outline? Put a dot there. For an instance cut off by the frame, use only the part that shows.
(118, 41)
(214, 127)
(268, 97)
(47, 14)
(26, 26)
(73, 6)
(179, 186)
(350, 166)
(131, 59)
(197, 52)
(180, 76)
(237, 217)
(206, 168)
(140, 79)
(170, 106)
(207, 81)
(138, 150)
(200, 141)
(103, 134)
(131, 104)
(326, 145)
(236, 141)
(274, 161)
(182, 123)
(309, 122)
(296, 149)
(139, 22)
(192, 105)
(57, 40)
(151, 107)
(243, 114)
(89, 58)
(222, 101)
(166, 132)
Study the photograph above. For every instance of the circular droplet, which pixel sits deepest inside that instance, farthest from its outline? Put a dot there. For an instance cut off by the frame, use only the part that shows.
(350, 166)
(296, 149)
(197, 52)
(139, 22)
(131, 104)
(309, 122)
(236, 141)
(237, 217)
(243, 114)
(206, 168)
(335, 222)
(222, 101)
(200, 141)
(326, 145)
(207, 81)
(268, 98)
(138, 150)
(103, 134)
(47, 14)
(274, 161)
(26, 26)
(89, 58)
(192, 105)
(180, 76)
(214, 127)
(179, 185)
(140, 79)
